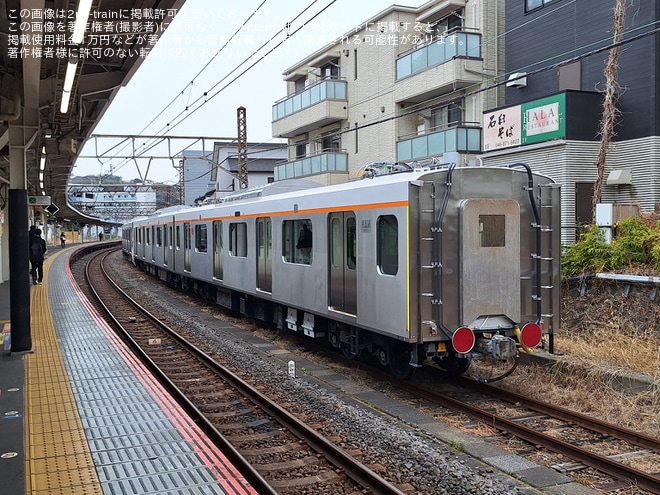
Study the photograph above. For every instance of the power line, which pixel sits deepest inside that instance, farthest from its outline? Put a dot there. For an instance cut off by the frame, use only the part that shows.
(427, 105)
(206, 66)
(167, 128)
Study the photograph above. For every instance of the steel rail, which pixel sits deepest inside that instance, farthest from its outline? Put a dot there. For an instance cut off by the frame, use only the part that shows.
(335, 455)
(587, 422)
(244, 467)
(596, 461)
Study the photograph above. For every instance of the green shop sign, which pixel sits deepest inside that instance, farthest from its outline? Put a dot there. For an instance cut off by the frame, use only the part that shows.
(543, 120)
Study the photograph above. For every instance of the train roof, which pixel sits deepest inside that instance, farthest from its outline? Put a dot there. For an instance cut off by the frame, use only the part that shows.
(304, 187)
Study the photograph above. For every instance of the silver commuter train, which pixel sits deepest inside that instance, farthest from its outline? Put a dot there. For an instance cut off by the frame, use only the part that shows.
(448, 264)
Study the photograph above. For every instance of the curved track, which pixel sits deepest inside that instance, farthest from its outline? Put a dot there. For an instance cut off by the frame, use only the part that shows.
(274, 450)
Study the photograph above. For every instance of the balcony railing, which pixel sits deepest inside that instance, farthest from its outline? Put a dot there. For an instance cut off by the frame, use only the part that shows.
(463, 138)
(310, 165)
(443, 48)
(327, 89)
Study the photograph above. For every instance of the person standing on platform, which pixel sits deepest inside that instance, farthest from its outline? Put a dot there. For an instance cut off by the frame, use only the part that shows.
(63, 240)
(30, 234)
(37, 252)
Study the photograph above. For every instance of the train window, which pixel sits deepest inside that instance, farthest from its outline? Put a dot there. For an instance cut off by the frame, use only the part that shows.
(238, 239)
(491, 231)
(217, 249)
(148, 239)
(178, 236)
(200, 238)
(297, 241)
(335, 249)
(387, 245)
(351, 243)
(159, 236)
(186, 236)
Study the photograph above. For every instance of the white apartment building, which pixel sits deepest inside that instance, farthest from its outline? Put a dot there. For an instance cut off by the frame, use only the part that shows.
(407, 85)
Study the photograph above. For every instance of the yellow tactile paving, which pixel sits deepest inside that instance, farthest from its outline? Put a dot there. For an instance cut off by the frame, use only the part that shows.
(57, 456)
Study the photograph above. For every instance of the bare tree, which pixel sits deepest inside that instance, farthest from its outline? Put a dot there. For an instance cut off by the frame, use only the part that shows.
(610, 110)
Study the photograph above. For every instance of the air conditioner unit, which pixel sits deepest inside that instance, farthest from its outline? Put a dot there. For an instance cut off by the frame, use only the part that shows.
(517, 80)
(620, 177)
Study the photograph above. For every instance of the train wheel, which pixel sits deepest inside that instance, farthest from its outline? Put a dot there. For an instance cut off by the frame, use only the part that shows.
(399, 364)
(346, 351)
(453, 365)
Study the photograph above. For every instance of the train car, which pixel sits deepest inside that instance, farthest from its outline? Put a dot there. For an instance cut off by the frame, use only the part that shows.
(447, 264)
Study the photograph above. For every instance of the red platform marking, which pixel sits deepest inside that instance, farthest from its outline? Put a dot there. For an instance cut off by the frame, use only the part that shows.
(224, 471)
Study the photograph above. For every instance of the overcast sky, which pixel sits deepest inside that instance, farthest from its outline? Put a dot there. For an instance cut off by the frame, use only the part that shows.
(165, 84)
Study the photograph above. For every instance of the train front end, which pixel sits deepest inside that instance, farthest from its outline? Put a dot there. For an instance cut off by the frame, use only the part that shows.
(486, 274)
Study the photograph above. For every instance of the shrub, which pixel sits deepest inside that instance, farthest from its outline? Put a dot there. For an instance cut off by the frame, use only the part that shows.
(589, 254)
(631, 244)
(635, 245)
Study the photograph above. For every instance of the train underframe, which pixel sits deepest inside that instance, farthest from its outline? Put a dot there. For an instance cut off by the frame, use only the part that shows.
(400, 358)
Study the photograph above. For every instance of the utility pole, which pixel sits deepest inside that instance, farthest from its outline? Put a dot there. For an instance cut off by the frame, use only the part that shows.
(241, 118)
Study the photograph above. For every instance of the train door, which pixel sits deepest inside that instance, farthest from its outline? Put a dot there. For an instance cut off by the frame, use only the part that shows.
(217, 249)
(166, 249)
(343, 262)
(490, 254)
(187, 243)
(169, 258)
(264, 254)
(132, 234)
(152, 243)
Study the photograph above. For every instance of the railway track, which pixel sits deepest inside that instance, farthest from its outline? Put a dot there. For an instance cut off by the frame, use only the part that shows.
(620, 458)
(588, 441)
(274, 450)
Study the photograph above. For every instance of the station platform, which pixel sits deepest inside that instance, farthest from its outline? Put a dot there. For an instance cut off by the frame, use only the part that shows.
(80, 415)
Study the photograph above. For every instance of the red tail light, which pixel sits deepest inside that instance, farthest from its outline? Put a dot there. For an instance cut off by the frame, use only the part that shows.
(463, 340)
(531, 335)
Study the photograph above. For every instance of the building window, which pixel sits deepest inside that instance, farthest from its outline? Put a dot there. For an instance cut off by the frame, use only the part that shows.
(331, 141)
(330, 70)
(452, 22)
(444, 116)
(535, 4)
(297, 241)
(200, 238)
(300, 84)
(387, 245)
(301, 149)
(238, 239)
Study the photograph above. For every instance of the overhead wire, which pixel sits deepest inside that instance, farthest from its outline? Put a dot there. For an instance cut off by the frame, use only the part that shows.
(208, 63)
(428, 104)
(289, 36)
(287, 26)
